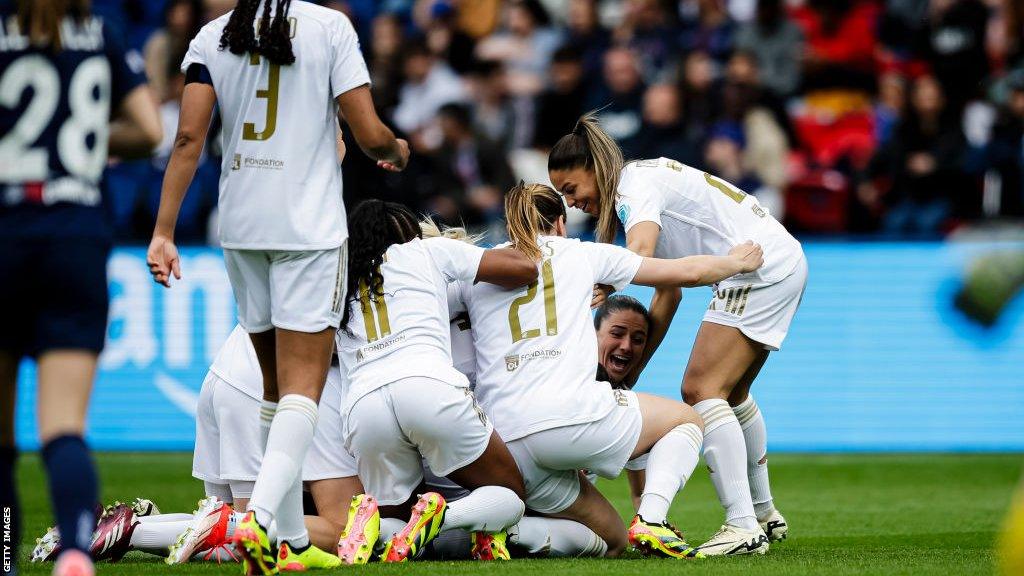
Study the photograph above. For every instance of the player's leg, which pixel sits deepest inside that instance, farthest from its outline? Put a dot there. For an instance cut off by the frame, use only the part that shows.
(592, 510)
(721, 355)
(756, 438)
(332, 497)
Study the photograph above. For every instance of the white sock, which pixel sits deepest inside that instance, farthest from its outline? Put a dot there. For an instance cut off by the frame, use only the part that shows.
(756, 438)
(157, 537)
(389, 527)
(267, 411)
(291, 433)
(486, 509)
(292, 533)
(671, 463)
(555, 537)
(726, 455)
(157, 518)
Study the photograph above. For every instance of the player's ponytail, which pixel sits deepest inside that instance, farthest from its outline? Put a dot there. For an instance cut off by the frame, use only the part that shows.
(40, 20)
(274, 41)
(531, 210)
(589, 147)
(430, 229)
(373, 227)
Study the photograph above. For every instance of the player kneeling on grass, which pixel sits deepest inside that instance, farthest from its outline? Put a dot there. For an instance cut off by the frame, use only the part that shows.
(535, 351)
(404, 401)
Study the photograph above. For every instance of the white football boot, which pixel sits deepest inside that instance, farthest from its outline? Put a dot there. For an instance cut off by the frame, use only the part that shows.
(774, 526)
(735, 541)
(206, 534)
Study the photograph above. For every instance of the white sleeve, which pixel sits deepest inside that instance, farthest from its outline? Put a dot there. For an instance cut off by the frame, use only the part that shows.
(612, 265)
(348, 69)
(456, 260)
(456, 305)
(640, 198)
(196, 53)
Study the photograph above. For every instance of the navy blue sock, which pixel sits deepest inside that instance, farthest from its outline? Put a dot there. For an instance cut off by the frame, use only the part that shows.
(9, 501)
(73, 489)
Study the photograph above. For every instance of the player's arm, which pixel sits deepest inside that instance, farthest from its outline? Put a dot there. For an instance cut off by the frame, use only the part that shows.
(136, 130)
(197, 105)
(375, 139)
(699, 270)
(506, 267)
(641, 239)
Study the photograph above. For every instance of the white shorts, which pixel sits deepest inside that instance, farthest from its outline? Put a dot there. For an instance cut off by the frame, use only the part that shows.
(227, 434)
(762, 312)
(327, 457)
(549, 459)
(390, 428)
(302, 291)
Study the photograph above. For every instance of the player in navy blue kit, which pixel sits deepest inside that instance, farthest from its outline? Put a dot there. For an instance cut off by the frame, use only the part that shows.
(63, 76)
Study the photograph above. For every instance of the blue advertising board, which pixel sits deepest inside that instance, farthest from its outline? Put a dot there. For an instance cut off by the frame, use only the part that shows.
(878, 358)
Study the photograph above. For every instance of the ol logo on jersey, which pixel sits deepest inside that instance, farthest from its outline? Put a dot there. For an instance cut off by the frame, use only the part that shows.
(623, 213)
(512, 362)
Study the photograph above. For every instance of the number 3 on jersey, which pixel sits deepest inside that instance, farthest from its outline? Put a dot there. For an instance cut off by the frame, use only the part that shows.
(375, 314)
(550, 321)
(270, 95)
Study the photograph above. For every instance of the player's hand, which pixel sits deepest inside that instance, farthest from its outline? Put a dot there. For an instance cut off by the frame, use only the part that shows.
(403, 160)
(601, 293)
(750, 256)
(163, 260)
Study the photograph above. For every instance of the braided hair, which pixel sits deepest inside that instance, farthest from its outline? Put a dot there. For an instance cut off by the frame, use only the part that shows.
(274, 40)
(373, 227)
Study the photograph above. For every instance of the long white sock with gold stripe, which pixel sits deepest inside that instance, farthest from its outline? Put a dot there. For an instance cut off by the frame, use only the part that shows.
(756, 437)
(671, 463)
(725, 453)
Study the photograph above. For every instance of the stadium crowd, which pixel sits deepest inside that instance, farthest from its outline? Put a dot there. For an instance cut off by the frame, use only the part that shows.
(903, 118)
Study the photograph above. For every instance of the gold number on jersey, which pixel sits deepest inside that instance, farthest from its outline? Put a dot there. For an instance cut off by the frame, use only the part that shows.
(734, 194)
(270, 95)
(550, 320)
(377, 325)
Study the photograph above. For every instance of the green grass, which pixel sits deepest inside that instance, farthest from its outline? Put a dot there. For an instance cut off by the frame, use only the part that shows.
(849, 515)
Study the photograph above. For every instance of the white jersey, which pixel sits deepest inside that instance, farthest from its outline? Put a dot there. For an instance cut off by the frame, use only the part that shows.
(406, 333)
(463, 354)
(701, 214)
(536, 347)
(280, 183)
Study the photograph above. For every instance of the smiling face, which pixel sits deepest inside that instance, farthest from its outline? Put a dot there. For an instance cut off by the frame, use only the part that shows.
(579, 187)
(621, 340)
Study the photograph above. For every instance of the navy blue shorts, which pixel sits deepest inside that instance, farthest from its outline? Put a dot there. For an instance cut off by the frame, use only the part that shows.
(53, 294)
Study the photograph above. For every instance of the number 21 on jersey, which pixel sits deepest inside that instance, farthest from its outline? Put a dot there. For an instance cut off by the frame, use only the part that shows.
(550, 321)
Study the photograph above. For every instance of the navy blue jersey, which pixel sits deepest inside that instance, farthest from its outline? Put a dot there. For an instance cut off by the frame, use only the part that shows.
(55, 110)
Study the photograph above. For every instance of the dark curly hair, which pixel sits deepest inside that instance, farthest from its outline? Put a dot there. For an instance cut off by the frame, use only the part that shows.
(373, 227)
(274, 42)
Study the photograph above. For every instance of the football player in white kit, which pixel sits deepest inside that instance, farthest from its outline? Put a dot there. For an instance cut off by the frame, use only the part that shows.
(671, 210)
(280, 74)
(536, 362)
(403, 399)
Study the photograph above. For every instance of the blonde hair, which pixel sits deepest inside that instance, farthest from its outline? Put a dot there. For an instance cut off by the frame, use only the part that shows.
(41, 20)
(591, 148)
(430, 229)
(531, 210)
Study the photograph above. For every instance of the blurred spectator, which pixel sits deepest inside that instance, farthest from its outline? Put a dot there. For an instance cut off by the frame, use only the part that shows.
(892, 99)
(840, 43)
(701, 97)
(777, 43)
(563, 102)
(585, 33)
(524, 46)
(662, 132)
(183, 20)
(472, 172)
(621, 96)
(723, 156)
(953, 43)
(446, 40)
(710, 30)
(494, 115)
(646, 28)
(924, 159)
(1006, 150)
(429, 84)
(385, 62)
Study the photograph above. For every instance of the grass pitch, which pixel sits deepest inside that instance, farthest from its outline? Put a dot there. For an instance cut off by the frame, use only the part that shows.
(848, 515)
